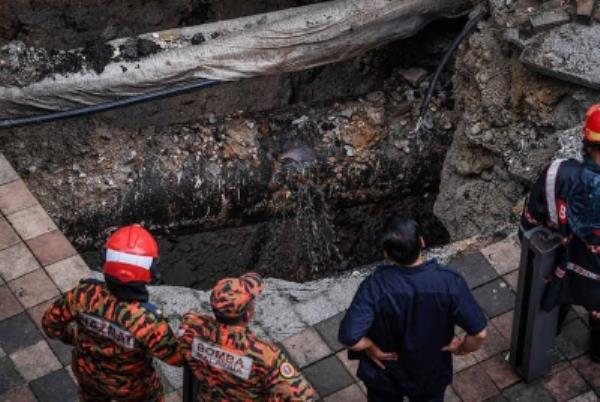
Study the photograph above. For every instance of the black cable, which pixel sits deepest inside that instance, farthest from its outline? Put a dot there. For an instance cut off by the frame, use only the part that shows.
(203, 83)
(425, 104)
(101, 107)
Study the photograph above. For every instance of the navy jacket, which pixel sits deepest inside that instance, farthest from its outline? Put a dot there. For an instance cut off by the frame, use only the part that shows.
(411, 311)
(547, 205)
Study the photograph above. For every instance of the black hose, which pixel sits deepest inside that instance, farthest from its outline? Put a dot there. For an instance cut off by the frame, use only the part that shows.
(101, 107)
(203, 83)
(461, 36)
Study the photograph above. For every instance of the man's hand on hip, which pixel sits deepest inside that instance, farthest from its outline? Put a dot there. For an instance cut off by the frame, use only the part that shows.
(379, 356)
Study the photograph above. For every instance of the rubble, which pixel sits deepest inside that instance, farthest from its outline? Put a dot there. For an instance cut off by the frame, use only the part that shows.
(530, 88)
(585, 10)
(414, 76)
(547, 19)
(570, 52)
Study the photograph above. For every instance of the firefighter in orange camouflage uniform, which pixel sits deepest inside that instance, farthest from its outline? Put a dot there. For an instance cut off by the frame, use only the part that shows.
(230, 362)
(114, 330)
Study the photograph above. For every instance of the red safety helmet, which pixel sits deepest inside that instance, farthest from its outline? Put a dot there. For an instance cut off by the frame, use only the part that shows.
(131, 255)
(591, 130)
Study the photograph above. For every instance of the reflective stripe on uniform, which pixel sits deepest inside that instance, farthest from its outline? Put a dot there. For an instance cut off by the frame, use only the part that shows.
(592, 136)
(131, 259)
(582, 271)
(551, 177)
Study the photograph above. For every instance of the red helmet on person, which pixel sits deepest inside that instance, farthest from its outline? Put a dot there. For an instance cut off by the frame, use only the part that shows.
(131, 254)
(591, 130)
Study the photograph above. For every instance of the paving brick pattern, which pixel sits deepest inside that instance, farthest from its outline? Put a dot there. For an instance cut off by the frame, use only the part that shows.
(485, 374)
(37, 263)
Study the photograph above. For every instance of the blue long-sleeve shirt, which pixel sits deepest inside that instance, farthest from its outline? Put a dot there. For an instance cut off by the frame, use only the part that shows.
(411, 311)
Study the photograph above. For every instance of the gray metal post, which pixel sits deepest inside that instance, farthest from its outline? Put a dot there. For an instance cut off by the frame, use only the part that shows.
(534, 330)
(190, 385)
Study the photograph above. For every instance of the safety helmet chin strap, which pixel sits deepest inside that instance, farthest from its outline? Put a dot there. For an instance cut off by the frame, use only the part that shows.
(154, 271)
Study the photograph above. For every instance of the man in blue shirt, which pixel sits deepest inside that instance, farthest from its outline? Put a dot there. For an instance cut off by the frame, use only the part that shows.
(402, 321)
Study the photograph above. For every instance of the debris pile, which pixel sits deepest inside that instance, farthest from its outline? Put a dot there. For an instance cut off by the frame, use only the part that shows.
(527, 74)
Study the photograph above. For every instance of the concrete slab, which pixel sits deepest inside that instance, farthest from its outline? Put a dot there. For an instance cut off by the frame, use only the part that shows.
(18, 332)
(306, 347)
(33, 288)
(51, 247)
(475, 268)
(7, 173)
(589, 370)
(504, 256)
(589, 396)
(469, 390)
(67, 273)
(9, 303)
(35, 361)
(15, 196)
(495, 298)
(17, 261)
(55, 387)
(565, 384)
(353, 393)
(569, 53)
(573, 340)
(328, 376)
(500, 371)
(328, 329)
(19, 394)
(31, 222)
(548, 19)
(528, 392)
(8, 237)
(9, 376)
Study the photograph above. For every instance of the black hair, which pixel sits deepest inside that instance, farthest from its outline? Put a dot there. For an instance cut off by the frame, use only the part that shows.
(241, 319)
(401, 239)
(589, 146)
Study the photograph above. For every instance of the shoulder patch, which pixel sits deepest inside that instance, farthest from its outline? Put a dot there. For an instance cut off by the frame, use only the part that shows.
(287, 370)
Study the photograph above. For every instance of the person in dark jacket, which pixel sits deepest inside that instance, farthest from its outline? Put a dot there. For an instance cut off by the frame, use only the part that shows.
(402, 321)
(552, 202)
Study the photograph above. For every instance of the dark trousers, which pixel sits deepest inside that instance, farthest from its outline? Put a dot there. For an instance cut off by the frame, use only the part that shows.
(375, 395)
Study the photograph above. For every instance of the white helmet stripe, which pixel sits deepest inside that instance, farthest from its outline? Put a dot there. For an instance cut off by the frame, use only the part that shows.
(131, 259)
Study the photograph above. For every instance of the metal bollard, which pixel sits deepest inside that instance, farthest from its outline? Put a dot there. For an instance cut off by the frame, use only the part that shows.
(534, 330)
(190, 385)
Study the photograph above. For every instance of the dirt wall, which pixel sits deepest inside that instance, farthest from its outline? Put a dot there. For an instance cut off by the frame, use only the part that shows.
(66, 24)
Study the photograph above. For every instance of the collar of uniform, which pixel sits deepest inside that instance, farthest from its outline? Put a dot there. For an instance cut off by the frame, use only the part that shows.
(226, 330)
(427, 265)
(590, 164)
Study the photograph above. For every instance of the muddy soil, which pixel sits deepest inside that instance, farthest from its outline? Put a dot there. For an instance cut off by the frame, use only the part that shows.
(65, 24)
(296, 191)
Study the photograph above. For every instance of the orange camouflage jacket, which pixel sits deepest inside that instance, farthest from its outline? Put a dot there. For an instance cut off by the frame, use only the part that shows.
(231, 363)
(114, 341)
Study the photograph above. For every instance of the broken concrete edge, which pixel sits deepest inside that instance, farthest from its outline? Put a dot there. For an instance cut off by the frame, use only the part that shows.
(284, 309)
(551, 46)
(548, 19)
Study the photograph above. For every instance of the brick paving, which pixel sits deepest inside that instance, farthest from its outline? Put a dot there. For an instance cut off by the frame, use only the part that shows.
(37, 263)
